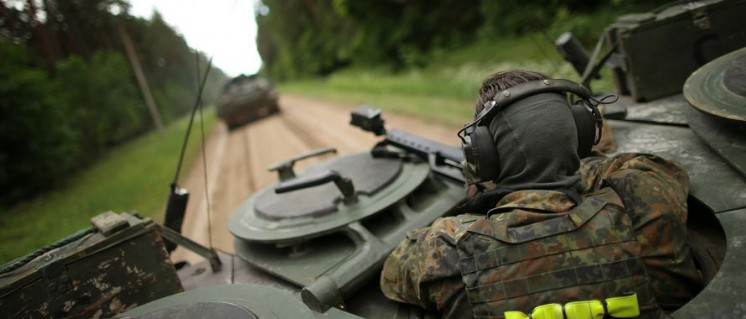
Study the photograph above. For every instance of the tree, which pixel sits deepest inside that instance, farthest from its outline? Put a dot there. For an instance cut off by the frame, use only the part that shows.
(66, 92)
(299, 38)
(39, 143)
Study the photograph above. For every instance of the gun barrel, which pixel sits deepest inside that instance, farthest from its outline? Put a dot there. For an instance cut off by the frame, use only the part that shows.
(572, 51)
(423, 147)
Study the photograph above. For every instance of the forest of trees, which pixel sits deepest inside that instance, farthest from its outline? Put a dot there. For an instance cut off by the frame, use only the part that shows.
(68, 91)
(302, 38)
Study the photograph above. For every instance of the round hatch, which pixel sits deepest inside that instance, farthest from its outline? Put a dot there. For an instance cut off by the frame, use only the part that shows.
(368, 175)
(309, 212)
(717, 93)
(719, 87)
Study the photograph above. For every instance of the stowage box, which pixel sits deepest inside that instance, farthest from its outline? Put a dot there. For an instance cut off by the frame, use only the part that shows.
(121, 265)
(657, 51)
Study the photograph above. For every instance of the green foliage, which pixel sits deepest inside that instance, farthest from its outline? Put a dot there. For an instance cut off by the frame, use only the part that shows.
(404, 32)
(172, 94)
(588, 26)
(300, 37)
(104, 104)
(401, 35)
(134, 176)
(39, 143)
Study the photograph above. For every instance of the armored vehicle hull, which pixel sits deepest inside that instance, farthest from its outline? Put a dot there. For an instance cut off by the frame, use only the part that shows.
(245, 99)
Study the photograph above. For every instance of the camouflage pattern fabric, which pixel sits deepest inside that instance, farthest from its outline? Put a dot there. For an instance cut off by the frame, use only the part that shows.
(423, 270)
(654, 191)
(526, 254)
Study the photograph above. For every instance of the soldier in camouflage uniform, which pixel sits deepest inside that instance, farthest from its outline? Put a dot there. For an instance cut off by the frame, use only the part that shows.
(630, 222)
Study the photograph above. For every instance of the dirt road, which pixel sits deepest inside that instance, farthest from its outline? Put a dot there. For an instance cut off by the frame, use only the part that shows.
(237, 160)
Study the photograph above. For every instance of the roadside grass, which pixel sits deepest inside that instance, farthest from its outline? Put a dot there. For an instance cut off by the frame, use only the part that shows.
(445, 90)
(132, 177)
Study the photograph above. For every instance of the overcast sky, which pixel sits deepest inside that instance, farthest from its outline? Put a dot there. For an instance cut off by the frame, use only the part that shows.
(223, 29)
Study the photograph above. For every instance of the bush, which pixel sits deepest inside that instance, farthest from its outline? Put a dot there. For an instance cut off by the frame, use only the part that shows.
(105, 105)
(39, 144)
(173, 100)
(52, 126)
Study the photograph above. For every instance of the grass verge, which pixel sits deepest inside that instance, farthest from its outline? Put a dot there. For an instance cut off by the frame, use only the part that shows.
(132, 177)
(444, 91)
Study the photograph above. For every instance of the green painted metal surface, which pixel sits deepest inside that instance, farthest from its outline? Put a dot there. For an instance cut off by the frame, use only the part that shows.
(716, 90)
(264, 302)
(298, 267)
(668, 110)
(727, 139)
(657, 51)
(712, 180)
(333, 255)
(723, 296)
(718, 93)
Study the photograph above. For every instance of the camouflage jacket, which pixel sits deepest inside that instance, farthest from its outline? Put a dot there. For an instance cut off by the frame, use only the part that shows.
(424, 268)
(654, 191)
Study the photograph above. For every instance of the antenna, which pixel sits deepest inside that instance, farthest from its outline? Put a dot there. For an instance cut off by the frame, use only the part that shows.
(204, 154)
(178, 197)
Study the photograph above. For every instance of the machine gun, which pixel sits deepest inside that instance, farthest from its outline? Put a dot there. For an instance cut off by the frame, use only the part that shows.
(444, 160)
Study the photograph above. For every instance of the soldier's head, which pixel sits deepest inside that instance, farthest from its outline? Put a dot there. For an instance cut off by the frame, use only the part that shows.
(501, 81)
(535, 137)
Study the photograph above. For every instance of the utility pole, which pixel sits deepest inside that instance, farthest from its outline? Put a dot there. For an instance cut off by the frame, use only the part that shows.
(141, 81)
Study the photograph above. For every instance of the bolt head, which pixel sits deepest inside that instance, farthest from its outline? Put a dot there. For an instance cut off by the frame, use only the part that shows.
(546, 82)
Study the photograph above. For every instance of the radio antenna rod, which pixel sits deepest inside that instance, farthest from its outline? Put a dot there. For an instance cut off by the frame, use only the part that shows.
(178, 197)
(204, 155)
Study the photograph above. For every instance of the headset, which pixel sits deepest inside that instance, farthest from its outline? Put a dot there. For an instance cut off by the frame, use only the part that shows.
(481, 162)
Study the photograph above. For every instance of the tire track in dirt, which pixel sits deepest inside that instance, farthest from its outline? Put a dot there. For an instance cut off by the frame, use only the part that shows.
(330, 122)
(301, 132)
(246, 147)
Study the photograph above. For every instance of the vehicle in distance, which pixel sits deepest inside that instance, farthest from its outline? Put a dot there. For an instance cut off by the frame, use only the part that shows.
(245, 99)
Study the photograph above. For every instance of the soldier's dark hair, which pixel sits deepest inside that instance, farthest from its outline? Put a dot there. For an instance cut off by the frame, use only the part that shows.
(501, 81)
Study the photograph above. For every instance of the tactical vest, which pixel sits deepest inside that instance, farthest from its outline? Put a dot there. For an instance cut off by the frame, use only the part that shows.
(517, 259)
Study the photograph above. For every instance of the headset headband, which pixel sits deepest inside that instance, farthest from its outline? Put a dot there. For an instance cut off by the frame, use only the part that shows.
(481, 157)
(523, 90)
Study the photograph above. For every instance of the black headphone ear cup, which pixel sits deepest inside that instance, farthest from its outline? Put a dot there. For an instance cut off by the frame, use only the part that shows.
(487, 161)
(586, 127)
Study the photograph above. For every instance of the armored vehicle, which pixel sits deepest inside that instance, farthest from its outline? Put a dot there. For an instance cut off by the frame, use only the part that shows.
(245, 99)
(312, 244)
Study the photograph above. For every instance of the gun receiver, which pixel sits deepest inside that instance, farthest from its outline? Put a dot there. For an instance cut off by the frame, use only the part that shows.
(443, 159)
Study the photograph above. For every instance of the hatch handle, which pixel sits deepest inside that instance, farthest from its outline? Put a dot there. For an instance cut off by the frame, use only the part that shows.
(344, 184)
(285, 168)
